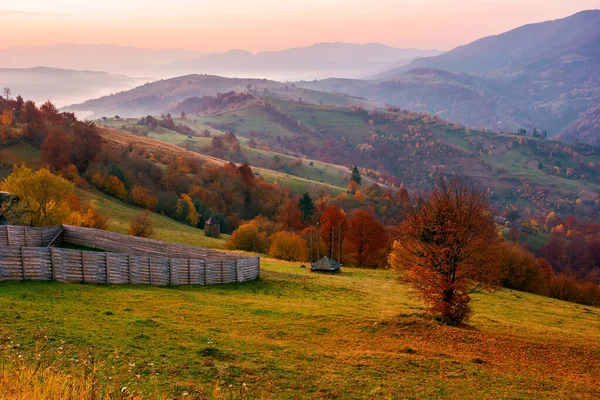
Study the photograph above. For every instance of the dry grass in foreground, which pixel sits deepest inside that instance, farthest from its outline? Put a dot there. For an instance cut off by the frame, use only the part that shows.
(292, 334)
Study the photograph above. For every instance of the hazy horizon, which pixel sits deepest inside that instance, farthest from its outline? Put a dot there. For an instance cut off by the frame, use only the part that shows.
(267, 25)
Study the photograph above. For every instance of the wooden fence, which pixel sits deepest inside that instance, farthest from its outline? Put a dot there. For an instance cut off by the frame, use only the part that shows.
(24, 255)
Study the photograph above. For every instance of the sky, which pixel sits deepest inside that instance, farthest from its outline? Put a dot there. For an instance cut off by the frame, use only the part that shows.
(259, 25)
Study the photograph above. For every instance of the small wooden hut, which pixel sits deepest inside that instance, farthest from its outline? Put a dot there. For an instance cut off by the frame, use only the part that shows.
(326, 264)
(212, 228)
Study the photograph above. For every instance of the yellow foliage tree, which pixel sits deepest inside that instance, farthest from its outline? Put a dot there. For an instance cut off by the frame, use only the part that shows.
(43, 195)
(87, 216)
(115, 187)
(185, 207)
(7, 117)
(288, 246)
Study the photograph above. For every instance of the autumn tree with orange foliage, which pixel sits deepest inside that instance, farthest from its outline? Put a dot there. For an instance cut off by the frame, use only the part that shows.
(141, 225)
(143, 197)
(56, 149)
(115, 187)
(365, 240)
(332, 218)
(446, 246)
(352, 187)
(290, 217)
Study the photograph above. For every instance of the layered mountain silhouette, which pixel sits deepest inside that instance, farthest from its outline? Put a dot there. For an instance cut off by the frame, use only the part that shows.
(543, 76)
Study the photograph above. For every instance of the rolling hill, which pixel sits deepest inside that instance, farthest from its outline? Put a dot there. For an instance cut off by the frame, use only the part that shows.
(158, 97)
(393, 148)
(544, 76)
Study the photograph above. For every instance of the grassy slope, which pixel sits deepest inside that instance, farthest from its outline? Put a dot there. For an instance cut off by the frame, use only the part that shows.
(321, 175)
(165, 228)
(294, 334)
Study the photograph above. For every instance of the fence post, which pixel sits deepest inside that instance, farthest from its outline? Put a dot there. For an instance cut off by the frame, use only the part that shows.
(82, 267)
(150, 269)
(8, 234)
(189, 272)
(236, 271)
(107, 269)
(222, 273)
(22, 263)
(129, 265)
(170, 265)
(25, 231)
(53, 263)
(258, 267)
(205, 272)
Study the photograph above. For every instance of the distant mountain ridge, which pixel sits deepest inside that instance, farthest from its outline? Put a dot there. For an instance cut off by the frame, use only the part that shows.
(106, 57)
(63, 86)
(320, 60)
(577, 34)
(543, 76)
(337, 59)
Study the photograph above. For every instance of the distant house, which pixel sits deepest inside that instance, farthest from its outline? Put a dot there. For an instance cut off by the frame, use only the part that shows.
(104, 118)
(212, 228)
(326, 264)
(117, 118)
(501, 221)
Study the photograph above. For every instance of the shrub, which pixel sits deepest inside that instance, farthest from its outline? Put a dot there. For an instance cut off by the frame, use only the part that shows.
(115, 187)
(141, 225)
(565, 287)
(87, 216)
(143, 197)
(522, 271)
(248, 238)
(288, 246)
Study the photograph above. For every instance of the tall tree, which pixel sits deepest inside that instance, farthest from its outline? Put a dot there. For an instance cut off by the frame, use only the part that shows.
(446, 247)
(365, 240)
(355, 175)
(333, 219)
(7, 92)
(290, 217)
(307, 206)
(56, 149)
(86, 144)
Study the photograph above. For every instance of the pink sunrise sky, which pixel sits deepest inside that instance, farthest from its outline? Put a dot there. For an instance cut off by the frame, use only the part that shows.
(258, 25)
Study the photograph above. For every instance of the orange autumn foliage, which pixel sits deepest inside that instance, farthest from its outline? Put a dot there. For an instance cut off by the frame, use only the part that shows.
(446, 248)
(290, 216)
(141, 225)
(114, 187)
(332, 219)
(143, 197)
(365, 241)
(352, 187)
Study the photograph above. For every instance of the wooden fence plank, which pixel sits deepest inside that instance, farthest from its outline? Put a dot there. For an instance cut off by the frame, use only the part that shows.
(160, 263)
